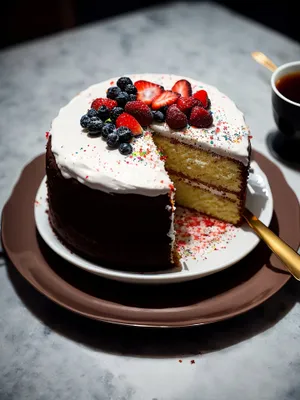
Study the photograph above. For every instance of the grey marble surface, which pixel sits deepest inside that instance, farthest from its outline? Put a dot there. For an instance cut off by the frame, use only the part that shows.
(47, 353)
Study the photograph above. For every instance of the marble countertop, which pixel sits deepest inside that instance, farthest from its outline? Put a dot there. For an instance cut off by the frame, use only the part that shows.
(47, 353)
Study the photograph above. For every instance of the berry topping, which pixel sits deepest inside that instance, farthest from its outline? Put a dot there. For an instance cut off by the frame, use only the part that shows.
(104, 102)
(115, 113)
(200, 117)
(122, 99)
(103, 113)
(166, 98)
(124, 133)
(113, 92)
(107, 129)
(175, 118)
(113, 140)
(92, 113)
(132, 97)
(123, 82)
(163, 109)
(84, 120)
(147, 91)
(131, 123)
(125, 149)
(185, 104)
(131, 89)
(203, 97)
(158, 116)
(140, 111)
(95, 126)
(183, 87)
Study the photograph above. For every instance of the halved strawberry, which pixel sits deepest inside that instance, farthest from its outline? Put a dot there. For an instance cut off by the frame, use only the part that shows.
(203, 97)
(200, 117)
(183, 87)
(166, 98)
(140, 111)
(104, 102)
(146, 91)
(130, 122)
(185, 104)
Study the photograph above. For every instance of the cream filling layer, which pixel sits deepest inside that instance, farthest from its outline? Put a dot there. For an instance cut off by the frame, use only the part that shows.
(217, 192)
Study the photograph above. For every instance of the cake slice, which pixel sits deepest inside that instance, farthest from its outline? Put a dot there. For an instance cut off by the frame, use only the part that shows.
(208, 165)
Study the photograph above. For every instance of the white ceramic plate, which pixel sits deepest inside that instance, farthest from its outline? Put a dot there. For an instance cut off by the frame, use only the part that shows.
(206, 245)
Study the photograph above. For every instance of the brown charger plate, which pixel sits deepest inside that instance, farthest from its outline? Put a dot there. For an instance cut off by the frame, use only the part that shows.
(216, 297)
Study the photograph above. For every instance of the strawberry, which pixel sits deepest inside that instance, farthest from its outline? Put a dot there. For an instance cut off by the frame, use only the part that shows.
(185, 104)
(203, 97)
(166, 98)
(183, 87)
(200, 117)
(130, 122)
(175, 118)
(97, 103)
(140, 111)
(146, 91)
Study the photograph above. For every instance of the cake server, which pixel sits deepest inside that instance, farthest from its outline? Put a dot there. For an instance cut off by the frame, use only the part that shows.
(262, 59)
(283, 251)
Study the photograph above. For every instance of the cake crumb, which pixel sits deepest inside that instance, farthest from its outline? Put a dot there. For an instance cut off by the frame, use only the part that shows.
(199, 235)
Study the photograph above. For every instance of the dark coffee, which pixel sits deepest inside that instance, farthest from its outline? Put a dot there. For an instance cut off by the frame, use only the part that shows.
(289, 86)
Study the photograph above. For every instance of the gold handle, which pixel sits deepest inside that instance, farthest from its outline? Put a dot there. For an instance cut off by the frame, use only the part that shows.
(284, 252)
(262, 59)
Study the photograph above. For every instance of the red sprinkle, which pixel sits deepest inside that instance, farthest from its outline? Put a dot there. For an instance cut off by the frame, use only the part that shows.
(47, 134)
(199, 235)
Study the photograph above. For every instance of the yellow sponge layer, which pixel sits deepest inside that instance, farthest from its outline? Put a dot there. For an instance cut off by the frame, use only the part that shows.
(208, 203)
(201, 165)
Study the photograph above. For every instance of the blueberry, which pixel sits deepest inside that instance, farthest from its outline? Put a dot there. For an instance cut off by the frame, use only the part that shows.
(103, 112)
(94, 126)
(115, 112)
(107, 129)
(113, 140)
(163, 109)
(113, 92)
(124, 133)
(84, 120)
(92, 113)
(122, 99)
(130, 89)
(158, 116)
(123, 82)
(132, 97)
(125, 149)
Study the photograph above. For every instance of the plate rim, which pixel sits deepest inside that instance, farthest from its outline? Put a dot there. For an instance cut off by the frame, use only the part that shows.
(134, 277)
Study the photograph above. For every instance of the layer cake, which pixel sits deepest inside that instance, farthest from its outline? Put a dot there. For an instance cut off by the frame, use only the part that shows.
(116, 205)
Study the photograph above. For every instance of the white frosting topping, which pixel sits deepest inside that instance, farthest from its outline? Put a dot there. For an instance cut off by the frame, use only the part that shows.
(228, 136)
(92, 163)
